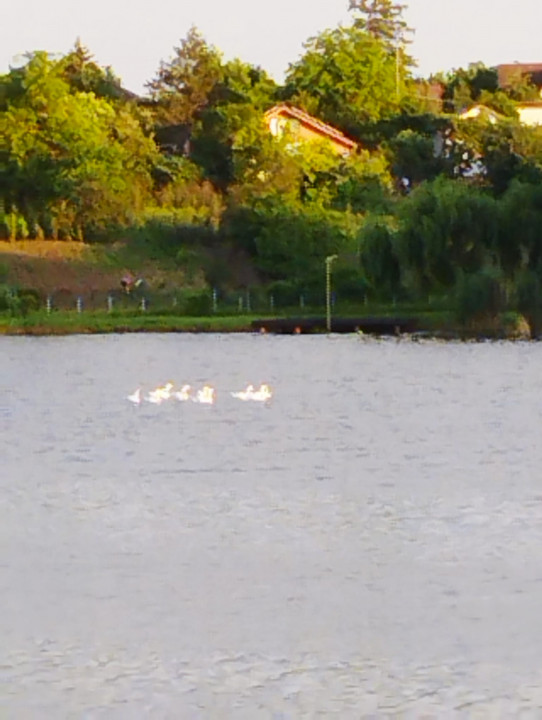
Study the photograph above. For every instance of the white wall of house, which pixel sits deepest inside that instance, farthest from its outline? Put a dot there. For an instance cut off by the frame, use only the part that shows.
(530, 114)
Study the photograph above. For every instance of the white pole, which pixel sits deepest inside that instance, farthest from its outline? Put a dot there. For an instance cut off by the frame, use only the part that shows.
(329, 261)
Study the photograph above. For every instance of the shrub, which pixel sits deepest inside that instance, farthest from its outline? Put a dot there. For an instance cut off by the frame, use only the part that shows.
(196, 303)
(479, 295)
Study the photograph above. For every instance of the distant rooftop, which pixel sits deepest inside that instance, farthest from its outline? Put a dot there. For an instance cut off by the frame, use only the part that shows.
(317, 125)
(510, 72)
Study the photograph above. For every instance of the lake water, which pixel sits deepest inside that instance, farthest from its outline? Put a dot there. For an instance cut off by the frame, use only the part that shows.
(367, 545)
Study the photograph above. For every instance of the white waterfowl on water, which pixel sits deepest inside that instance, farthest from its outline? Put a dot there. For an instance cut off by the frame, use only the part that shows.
(135, 397)
(263, 394)
(183, 394)
(245, 394)
(206, 395)
(249, 393)
(160, 393)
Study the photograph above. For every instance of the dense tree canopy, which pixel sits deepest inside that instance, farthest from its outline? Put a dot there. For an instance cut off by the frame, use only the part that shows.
(347, 77)
(74, 160)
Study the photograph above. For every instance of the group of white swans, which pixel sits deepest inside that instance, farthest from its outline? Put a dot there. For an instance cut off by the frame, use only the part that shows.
(205, 395)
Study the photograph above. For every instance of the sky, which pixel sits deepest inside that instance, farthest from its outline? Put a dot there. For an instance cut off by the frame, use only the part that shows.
(133, 36)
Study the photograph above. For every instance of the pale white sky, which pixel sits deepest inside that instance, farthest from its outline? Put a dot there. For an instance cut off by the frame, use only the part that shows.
(133, 36)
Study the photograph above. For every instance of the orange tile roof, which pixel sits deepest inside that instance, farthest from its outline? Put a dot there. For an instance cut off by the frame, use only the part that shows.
(309, 120)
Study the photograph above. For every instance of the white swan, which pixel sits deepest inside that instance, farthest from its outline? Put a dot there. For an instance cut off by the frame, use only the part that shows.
(160, 393)
(183, 393)
(263, 394)
(206, 395)
(249, 393)
(135, 397)
(245, 394)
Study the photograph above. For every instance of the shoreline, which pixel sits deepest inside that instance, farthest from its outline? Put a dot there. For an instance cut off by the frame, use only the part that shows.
(422, 325)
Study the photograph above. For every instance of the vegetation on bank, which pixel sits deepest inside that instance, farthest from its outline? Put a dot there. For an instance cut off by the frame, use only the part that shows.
(433, 323)
(187, 189)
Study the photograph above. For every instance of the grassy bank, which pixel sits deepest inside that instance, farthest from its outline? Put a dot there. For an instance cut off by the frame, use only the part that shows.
(68, 271)
(69, 322)
(439, 324)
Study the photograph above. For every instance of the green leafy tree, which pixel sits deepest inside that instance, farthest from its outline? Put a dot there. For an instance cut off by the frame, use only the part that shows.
(381, 18)
(480, 84)
(463, 87)
(228, 133)
(293, 243)
(183, 85)
(511, 151)
(347, 77)
(74, 161)
(84, 75)
(446, 227)
(520, 228)
(378, 258)
(413, 157)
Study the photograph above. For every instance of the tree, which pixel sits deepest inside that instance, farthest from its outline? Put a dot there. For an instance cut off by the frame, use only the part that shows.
(511, 151)
(464, 87)
(520, 228)
(480, 84)
(84, 75)
(412, 156)
(292, 243)
(446, 227)
(378, 258)
(183, 85)
(346, 76)
(74, 161)
(382, 19)
(229, 134)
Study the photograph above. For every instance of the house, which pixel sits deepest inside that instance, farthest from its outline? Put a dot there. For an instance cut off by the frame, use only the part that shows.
(301, 126)
(510, 73)
(480, 112)
(530, 113)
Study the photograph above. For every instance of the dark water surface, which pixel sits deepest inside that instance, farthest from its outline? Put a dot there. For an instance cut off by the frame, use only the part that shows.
(368, 545)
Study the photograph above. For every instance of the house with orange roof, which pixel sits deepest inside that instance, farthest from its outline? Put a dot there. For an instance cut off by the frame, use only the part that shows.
(302, 127)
